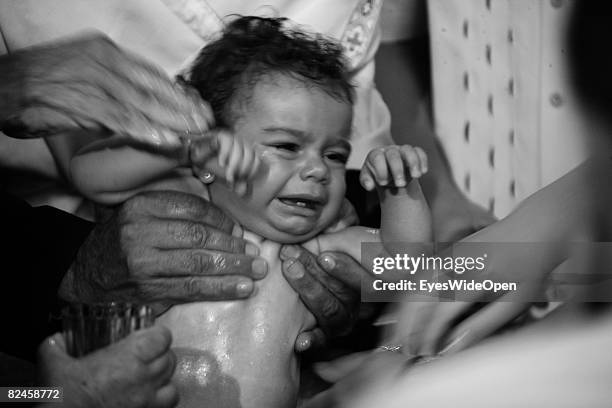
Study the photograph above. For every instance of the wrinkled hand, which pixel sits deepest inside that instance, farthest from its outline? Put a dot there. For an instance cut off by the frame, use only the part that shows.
(329, 286)
(133, 372)
(90, 83)
(391, 165)
(163, 246)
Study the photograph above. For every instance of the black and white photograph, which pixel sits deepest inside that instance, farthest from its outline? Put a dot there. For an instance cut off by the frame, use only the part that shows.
(305, 203)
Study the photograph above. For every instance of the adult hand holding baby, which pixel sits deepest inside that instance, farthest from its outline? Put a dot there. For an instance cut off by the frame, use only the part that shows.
(164, 246)
(90, 83)
(133, 372)
(329, 287)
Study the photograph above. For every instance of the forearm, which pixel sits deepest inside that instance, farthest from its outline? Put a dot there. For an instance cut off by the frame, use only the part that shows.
(402, 77)
(349, 240)
(573, 208)
(11, 87)
(31, 156)
(112, 172)
(405, 215)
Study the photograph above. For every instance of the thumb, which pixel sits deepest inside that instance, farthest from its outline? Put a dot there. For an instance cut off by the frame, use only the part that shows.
(310, 339)
(52, 359)
(146, 344)
(53, 348)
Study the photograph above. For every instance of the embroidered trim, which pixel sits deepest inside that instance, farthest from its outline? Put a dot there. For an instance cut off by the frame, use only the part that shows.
(359, 32)
(198, 15)
(201, 19)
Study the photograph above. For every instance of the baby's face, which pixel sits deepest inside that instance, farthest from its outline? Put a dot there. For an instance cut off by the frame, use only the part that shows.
(301, 136)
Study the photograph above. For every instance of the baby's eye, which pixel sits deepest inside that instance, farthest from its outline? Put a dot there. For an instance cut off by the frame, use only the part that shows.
(337, 157)
(289, 147)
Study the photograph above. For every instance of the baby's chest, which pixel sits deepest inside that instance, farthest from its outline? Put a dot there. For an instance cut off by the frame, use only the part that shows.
(273, 314)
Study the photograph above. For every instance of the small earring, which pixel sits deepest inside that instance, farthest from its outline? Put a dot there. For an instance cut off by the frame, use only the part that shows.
(206, 178)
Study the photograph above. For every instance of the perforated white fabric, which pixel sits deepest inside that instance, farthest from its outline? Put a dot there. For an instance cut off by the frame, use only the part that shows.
(503, 107)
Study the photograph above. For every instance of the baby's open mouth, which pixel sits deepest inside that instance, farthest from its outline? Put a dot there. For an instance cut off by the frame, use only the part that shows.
(302, 201)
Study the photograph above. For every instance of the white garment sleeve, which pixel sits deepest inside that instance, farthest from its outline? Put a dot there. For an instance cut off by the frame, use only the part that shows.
(372, 120)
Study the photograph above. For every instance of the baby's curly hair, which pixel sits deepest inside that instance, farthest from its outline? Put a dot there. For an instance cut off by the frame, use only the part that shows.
(255, 47)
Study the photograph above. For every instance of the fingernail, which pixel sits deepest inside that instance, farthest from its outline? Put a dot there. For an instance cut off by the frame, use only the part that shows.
(251, 249)
(327, 262)
(400, 182)
(369, 185)
(259, 268)
(154, 137)
(304, 344)
(292, 270)
(288, 251)
(244, 289)
(383, 182)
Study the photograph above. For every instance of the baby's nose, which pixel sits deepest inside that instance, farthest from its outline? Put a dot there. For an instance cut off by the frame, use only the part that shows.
(315, 169)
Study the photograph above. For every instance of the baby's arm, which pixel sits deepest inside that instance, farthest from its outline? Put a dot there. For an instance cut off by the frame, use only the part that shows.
(110, 171)
(405, 215)
(348, 240)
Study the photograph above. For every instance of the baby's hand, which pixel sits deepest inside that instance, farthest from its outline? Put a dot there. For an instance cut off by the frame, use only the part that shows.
(389, 166)
(236, 160)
